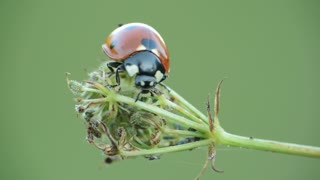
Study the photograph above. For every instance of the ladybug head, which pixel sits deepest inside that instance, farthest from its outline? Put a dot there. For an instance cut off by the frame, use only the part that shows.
(145, 82)
(147, 67)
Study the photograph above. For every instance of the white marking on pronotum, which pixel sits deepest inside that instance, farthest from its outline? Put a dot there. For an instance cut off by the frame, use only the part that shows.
(141, 47)
(132, 69)
(142, 83)
(158, 76)
(156, 52)
(151, 83)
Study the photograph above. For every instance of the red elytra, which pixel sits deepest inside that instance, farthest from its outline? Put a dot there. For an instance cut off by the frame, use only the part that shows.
(135, 37)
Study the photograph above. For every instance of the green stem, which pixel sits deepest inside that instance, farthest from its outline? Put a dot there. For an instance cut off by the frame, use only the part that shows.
(188, 105)
(169, 149)
(100, 87)
(183, 111)
(92, 90)
(265, 145)
(219, 136)
(170, 116)
(95, 101)
(182, 132)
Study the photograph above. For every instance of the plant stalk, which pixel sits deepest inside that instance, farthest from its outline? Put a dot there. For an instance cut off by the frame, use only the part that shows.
(183, 147)
(226, 138)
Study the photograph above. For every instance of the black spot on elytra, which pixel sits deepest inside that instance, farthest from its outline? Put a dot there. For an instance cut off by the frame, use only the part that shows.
(113, 44)
(148, 43)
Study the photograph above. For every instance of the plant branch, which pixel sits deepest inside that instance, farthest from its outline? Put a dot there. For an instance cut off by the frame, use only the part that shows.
(161, 112)
(169, 149)
(189, 106)
(226, 138)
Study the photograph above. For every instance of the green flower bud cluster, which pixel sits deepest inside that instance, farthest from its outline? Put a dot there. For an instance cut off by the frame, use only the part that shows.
(116, 127)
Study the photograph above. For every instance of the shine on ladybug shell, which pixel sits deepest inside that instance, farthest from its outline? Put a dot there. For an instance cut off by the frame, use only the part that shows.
(134, 37)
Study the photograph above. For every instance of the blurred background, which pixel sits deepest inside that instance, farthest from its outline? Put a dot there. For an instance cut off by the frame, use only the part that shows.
(269, 51)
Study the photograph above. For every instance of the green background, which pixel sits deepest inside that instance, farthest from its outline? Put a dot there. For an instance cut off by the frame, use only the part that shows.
(268, 50)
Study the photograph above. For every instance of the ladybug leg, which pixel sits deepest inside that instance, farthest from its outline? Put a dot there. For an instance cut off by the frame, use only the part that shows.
(142, 92)
(163, 78)
(112, 65)
(161, 84)
(137, 96)
(119, 67)
(164, 86)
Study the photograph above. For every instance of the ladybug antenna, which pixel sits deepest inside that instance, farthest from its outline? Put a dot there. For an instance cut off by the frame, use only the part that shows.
(137, 96)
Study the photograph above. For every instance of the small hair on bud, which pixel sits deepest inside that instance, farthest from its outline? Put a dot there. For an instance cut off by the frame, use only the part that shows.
(80, 108)
(75, 87)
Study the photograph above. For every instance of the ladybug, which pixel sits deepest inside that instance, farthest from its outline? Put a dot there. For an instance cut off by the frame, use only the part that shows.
(139, 50)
